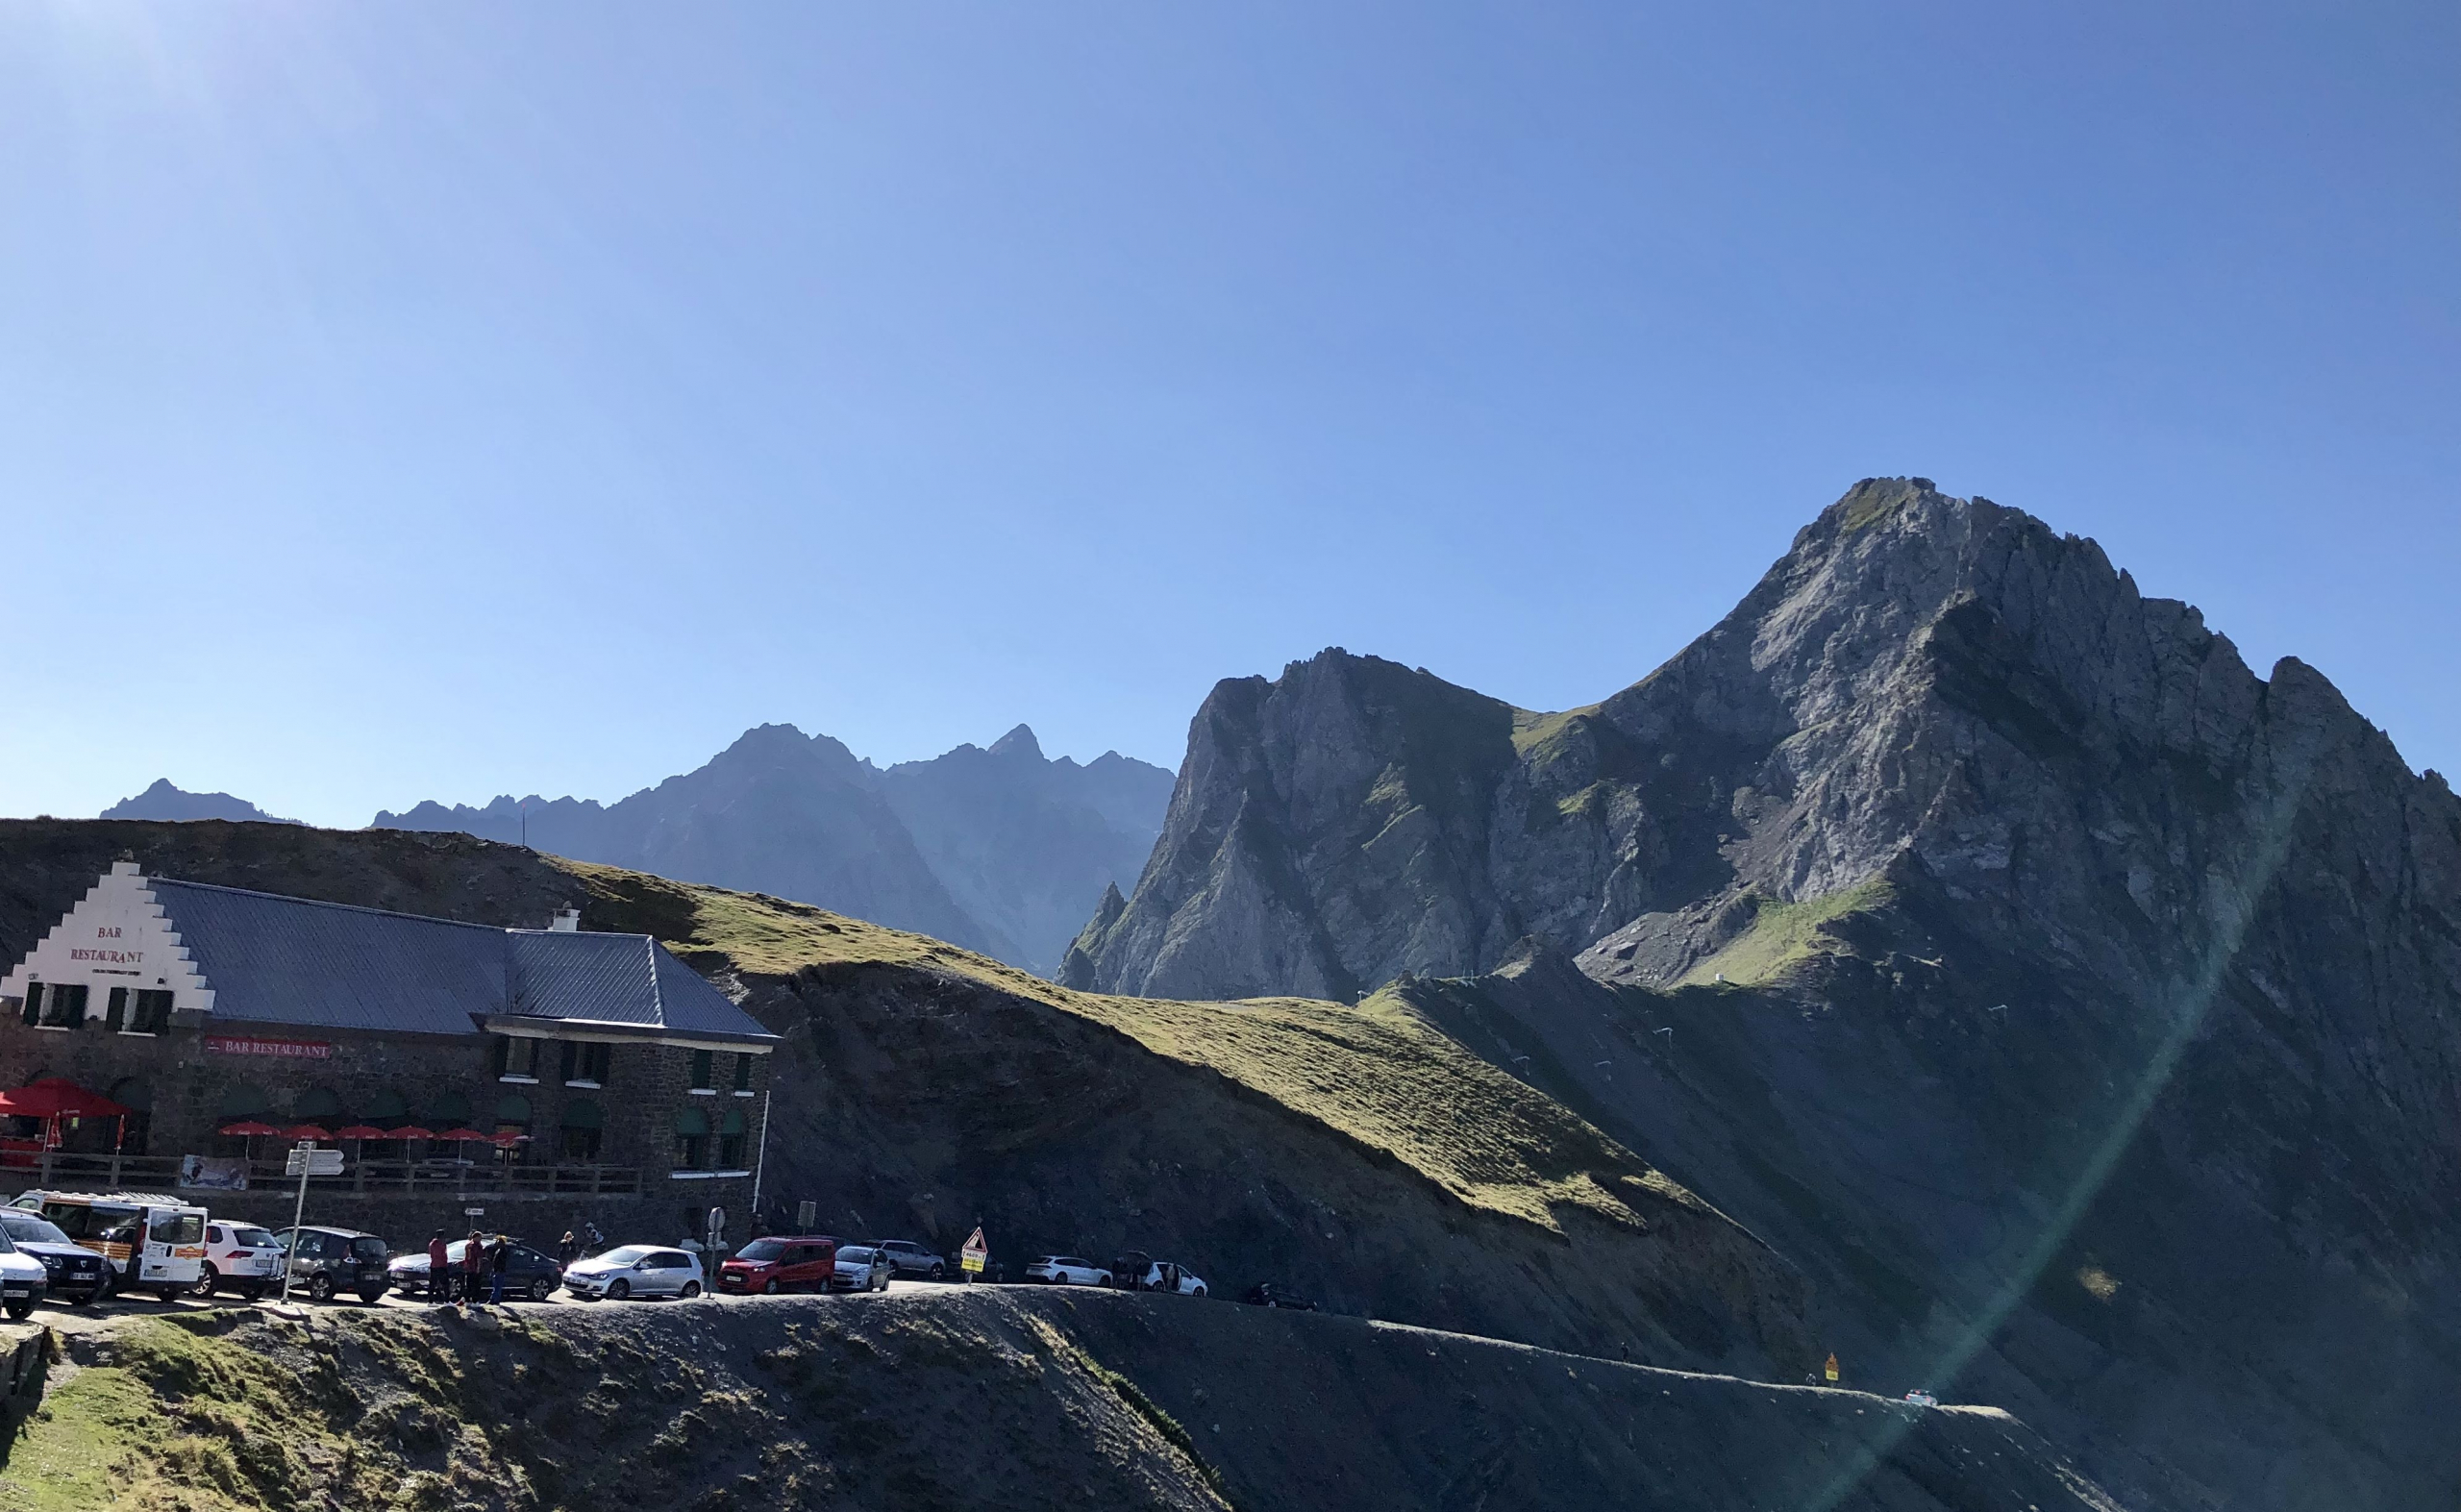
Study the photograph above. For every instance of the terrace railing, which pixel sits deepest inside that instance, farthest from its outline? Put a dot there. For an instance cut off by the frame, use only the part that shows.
(442, 1178)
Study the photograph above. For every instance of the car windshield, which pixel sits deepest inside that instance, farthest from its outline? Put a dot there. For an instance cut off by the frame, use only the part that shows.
(252, 1238)
(855, 1252)
(367, 1246)
(628, 1254)
(762, 1249)
(27, 1228)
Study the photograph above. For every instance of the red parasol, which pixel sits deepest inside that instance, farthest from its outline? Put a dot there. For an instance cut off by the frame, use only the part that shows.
(249, 1130)
(304, 1131)
(58, 1097)
(510, 1136)
(362, 1132)
(411, 1131)
(464, 1134)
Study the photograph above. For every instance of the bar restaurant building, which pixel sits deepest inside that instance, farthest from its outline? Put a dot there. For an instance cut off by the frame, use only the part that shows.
(543, 1073)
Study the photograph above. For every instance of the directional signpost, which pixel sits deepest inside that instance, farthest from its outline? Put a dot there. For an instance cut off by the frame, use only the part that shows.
(305, 1160)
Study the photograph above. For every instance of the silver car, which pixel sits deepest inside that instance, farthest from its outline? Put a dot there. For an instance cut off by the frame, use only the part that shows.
(860, 1268)
(637, 1269)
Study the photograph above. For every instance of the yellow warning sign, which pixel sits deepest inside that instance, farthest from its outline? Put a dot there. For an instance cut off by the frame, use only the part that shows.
(1832, 1370)
(975, 1252)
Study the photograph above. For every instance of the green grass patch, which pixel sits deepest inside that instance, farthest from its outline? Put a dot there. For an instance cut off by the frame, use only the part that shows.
(1783, 936)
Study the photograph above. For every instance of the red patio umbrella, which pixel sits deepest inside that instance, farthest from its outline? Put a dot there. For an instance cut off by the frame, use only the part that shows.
(462, 1135)
(414, 1132)
(304, 1131)
(248, 1129)
(362, 1132)
(58, 1097)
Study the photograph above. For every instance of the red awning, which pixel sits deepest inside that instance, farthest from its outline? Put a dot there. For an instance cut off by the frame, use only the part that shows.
(58, 1097)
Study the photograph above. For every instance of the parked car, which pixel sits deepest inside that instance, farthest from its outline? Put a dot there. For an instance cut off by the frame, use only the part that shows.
(1168, 1276)
(146, 1241)
(909, 1258)
(76, 1274)
(528, 1272)
(1269, 1293)
(773, 1265)
(860, 1268)
(330, 1261)
(1922, 1399)
(241, 1256)
(1066, 1270)
(636, 1269)
(23, 1280)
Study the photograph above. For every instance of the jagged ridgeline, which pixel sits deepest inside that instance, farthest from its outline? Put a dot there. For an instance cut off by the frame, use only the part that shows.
(2076, 1007)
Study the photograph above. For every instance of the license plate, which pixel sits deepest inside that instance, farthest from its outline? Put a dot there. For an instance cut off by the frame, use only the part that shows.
(12, 1291)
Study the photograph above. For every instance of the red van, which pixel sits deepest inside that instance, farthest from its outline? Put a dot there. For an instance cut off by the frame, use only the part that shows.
(773, 1265)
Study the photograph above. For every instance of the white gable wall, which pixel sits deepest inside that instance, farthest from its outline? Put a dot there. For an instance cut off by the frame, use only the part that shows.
(118, 936)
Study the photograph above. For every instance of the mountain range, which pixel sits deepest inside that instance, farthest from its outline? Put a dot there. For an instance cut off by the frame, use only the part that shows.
(1003, 851)
(2080, 1011)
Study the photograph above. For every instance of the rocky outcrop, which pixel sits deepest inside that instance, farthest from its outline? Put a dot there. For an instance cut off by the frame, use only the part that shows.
(162, 800)
(1001, 850)
(2082, 1011)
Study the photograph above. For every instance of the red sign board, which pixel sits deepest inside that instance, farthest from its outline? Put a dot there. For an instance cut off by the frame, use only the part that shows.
(290, 1049)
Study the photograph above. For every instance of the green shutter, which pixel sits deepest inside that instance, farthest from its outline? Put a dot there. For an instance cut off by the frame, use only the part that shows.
(743, 1070)
(691, 1121)
(701, 1059)
(116, 1014)
(34, 1003)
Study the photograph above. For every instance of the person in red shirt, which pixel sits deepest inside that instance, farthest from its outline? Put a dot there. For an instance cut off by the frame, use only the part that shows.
(439, 1271)
(474, 1266)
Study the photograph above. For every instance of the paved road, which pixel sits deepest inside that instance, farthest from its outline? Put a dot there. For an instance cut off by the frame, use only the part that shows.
(86, 1320)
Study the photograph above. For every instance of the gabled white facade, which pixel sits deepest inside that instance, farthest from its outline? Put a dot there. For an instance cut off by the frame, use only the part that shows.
(119, 935)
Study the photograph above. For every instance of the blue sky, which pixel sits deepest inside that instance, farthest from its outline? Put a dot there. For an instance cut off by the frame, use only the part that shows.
(437, 400)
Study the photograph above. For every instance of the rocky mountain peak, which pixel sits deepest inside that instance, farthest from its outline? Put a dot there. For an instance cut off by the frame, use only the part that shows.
(1019, 742)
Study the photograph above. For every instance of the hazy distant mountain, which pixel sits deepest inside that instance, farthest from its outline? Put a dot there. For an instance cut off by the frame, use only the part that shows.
(1001, 850)
(162, 800)
(1027, 845)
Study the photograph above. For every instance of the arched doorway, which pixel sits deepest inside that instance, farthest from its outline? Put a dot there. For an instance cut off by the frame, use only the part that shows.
(136, 1095)
(691, 1140)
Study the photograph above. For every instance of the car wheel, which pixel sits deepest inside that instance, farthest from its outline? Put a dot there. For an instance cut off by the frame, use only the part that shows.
(769, 1289)
(21, 1309)
(691, 1289)
(321, 1288)
(618, 1291)
(939, 1272)
(1199, 1292)
(86, 1298)
(208, 1280)
(540, 1289)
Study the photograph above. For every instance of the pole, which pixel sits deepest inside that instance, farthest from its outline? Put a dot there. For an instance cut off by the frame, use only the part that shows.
(298, 1214)
(760, 1153)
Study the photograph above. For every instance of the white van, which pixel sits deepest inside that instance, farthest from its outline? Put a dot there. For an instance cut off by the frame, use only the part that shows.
(150, 1242)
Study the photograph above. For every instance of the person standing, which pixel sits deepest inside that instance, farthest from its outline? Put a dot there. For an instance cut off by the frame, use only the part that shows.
(499, 1261)
(439, 1269)
(569, 1253)
(474, 1265)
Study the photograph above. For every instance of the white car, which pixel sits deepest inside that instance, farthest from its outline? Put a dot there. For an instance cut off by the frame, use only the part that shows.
(23, 1280)
(860, 1268)
(1169, 1275)
(241, 1256)
(1066, 1270)
(637, 1269)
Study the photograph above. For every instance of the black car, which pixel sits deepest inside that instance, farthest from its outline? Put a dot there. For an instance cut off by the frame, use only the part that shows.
(326, 1261)
(1266, 1294)
(78, 1275)
(528, 1272)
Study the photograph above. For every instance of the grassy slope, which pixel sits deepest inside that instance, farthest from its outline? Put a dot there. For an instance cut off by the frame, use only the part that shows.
(1376, 1073)
(1784, 935)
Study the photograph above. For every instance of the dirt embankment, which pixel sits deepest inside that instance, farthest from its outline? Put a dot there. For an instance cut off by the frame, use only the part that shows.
(976, 1398)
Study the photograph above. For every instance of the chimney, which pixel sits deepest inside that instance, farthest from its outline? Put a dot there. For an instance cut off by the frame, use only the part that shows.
(126, 868)
(568, 921)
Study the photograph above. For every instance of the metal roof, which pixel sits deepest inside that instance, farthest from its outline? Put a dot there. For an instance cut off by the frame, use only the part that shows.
(272, 960)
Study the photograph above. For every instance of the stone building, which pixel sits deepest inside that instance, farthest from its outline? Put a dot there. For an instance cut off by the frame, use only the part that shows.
(542, 1075)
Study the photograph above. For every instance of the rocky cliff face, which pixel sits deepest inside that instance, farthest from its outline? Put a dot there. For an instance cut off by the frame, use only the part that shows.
(2082, 1011)
(1001, 850)
(162, 800)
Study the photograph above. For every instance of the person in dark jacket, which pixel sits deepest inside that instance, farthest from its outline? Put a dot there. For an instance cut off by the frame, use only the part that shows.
(499, 1261)
(569, 1253)
(474, 1265)
(439, 1269)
